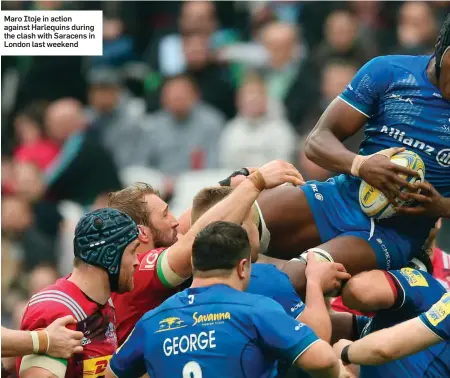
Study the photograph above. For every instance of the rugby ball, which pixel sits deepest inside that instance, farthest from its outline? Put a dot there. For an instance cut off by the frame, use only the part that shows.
(374, 203)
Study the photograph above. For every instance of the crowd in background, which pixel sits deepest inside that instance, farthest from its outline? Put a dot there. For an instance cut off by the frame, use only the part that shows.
(184, 92)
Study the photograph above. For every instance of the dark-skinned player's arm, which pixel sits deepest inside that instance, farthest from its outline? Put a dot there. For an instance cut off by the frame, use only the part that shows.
(324, 146)
(404, 339)
(343, 118)
(234, 208)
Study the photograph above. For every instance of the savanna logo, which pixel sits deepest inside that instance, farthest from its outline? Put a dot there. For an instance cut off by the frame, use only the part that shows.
(169, 324)
(414, 277)
(212, 318)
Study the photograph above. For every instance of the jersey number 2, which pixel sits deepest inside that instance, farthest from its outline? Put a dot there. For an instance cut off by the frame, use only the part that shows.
(192, 370)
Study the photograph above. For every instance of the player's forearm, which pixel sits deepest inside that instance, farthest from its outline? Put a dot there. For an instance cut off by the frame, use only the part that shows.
(315, 313)
(323, 148)
(234, 208)
(16, 343)
(392, 343)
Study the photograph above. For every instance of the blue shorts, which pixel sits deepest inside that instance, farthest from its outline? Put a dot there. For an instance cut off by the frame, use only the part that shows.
(336, 210)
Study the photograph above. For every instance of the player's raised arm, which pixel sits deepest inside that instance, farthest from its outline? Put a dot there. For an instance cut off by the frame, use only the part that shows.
(343, 118)
(233, 208)
(399, 341)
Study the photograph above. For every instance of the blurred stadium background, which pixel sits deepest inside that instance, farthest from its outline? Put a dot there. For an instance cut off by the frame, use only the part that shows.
(184, 93)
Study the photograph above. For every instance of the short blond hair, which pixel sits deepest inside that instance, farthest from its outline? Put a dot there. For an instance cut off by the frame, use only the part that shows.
(131, 202)
(207, 198)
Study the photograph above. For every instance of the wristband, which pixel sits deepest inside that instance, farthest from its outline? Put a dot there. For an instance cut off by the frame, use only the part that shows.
(356, 164)
(344, 355)
(35, 340)
(227, 181)
(41, 341)
(46, 342)
(257, 180)
(359, 160)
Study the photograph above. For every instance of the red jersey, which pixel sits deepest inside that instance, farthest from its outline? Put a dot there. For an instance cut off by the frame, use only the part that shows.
(441, 267)
(97, 323)
(338, 306)
(150, 290)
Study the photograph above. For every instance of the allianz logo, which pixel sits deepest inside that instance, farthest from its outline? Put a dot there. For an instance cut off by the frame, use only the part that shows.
(442, 157)
(400, 136)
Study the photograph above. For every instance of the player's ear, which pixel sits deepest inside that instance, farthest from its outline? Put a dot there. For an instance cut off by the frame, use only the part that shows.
(144, 234)
(242, 268)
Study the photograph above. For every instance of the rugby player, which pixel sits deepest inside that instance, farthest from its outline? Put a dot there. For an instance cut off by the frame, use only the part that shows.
(214, 329)
(266, 279)
(402, 101)
(105, 246)
(426, 330)
(397, 296)
(163, 269)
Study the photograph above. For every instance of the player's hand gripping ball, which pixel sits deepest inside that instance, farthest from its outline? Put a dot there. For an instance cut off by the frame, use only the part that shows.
(375, 204)
(322, 269)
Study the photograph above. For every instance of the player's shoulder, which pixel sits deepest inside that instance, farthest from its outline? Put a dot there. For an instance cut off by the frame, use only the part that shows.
(270, 274)
(52, 303)
(263, 269)
(385, 64)
(257, 302)
(148, 259)
(171, 304)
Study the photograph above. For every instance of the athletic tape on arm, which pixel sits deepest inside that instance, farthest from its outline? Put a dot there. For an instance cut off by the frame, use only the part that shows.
(56, 366)
(165, 273)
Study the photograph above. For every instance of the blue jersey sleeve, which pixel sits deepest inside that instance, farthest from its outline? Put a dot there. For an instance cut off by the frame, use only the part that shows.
(128, 361)
(361, 322)
(417, 290)
(281, 334)
(437, 318)
(287, 297)
(368, 86)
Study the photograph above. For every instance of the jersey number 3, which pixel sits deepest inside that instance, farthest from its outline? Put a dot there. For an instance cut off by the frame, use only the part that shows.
(192, 370)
